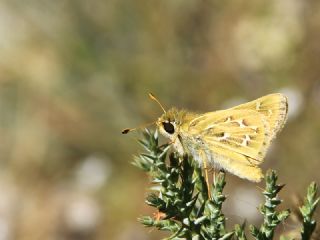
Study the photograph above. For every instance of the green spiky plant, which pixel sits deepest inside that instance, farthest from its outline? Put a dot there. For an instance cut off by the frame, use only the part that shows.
(185, 209)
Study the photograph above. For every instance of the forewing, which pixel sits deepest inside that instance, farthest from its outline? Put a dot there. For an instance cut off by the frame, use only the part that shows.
(240, 135)
(274, 107)
(237, 138)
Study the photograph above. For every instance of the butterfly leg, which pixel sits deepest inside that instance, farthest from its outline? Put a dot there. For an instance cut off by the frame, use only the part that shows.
(166, 144)
(205, 167)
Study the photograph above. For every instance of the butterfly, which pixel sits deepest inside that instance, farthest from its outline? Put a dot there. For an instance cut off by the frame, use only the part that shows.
(235, 140)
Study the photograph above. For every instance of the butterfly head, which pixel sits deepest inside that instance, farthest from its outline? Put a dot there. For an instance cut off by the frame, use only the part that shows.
(168, 123)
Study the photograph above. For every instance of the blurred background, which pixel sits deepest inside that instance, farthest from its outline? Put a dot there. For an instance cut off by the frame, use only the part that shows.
(74, 73)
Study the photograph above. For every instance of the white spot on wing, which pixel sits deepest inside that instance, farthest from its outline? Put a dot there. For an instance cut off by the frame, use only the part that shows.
(245, 141)
(228, 120)
(258, 104)
(241, 124)
(254, 128)
(224, 137)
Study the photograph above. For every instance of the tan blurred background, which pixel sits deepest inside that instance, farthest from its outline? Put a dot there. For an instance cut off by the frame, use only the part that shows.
(74, 73)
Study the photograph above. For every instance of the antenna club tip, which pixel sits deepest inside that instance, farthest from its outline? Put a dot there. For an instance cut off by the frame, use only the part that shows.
(155, 99)
(151, 95)
(125, 131)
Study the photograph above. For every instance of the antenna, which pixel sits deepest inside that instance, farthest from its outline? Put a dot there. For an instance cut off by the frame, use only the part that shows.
(155, 99)
(126, 130)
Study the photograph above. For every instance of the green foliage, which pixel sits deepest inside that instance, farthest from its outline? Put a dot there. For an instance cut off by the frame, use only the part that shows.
(271, 218)
(184, 208)
(307, 210)
(239, 231)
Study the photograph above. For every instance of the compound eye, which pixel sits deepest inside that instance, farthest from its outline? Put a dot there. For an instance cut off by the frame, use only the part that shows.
(168, 127)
